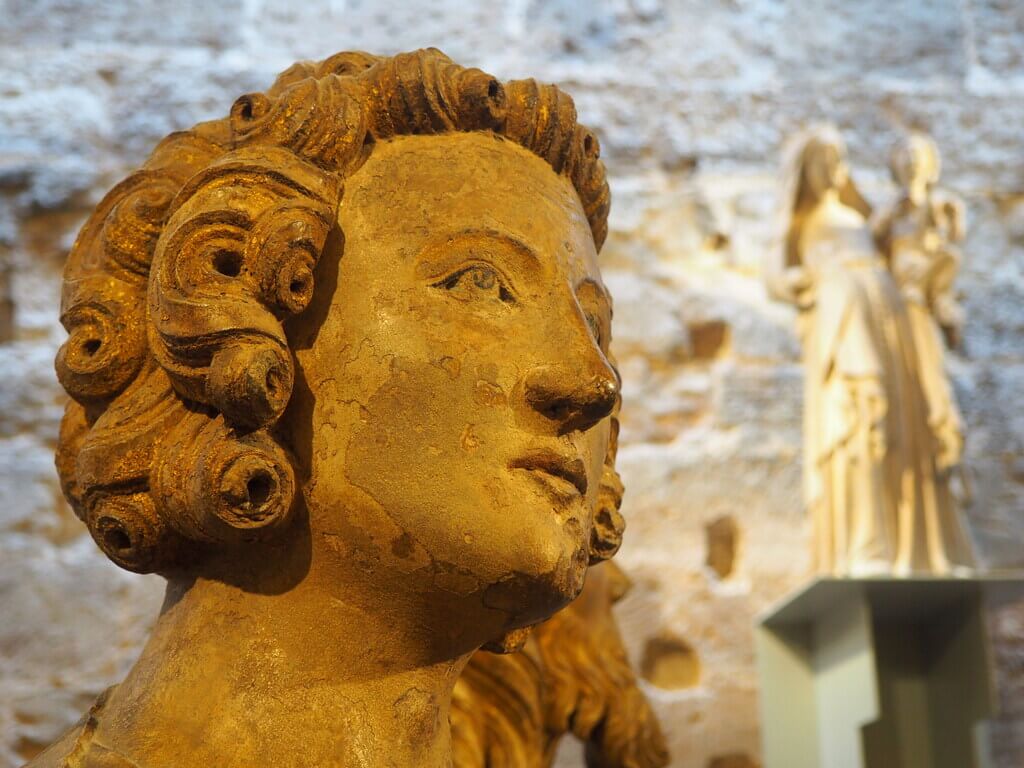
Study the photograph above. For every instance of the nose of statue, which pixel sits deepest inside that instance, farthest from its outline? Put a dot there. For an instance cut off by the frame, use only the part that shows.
(572, 398)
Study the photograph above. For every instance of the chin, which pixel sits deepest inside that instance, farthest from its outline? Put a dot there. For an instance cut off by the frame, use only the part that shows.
(542, 586)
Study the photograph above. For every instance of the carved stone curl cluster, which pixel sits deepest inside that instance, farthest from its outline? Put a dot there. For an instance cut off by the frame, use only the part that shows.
(177, 362)
(609, 524)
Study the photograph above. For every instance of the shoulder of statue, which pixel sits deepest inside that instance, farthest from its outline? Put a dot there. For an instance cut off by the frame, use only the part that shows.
(901, 206)
(76, 749)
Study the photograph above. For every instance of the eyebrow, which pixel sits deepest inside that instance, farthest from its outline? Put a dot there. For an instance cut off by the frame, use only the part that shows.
(436, 249)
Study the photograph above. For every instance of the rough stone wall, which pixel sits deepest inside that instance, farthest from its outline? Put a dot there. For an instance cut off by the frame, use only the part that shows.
(691, 99)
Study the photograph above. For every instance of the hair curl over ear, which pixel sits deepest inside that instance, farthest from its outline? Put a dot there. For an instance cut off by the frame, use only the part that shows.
(609, 524)
(175, 291)
(572, 676)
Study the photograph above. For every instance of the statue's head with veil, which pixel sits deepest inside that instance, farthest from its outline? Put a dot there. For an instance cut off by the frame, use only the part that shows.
(339, 371)
(816, 170)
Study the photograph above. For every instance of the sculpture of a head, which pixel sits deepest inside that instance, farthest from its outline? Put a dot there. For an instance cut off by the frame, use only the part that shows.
(915, 163)
(814, 163)
(824, 164)
(360, 319)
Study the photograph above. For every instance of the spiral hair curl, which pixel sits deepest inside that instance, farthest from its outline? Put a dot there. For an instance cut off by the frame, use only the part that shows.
(175, 291)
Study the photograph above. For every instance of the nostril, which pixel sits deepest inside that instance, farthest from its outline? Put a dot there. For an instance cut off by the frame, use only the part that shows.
(570, 401)
(559, 410)
(546, 400)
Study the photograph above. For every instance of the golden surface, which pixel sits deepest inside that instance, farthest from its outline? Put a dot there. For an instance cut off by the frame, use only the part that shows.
(339, 369)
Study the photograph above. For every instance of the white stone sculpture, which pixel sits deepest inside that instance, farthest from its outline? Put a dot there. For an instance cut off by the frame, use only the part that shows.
(919, 235)
(871, 467)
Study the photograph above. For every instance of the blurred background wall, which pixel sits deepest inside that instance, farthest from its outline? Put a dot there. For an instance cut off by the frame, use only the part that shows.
(692, 100)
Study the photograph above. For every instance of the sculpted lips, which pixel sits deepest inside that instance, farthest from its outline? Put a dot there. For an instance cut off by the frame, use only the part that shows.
(565, 474)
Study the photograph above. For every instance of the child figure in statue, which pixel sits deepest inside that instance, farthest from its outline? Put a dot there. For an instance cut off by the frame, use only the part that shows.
(339, 372)
(869, 474)
(919, 235)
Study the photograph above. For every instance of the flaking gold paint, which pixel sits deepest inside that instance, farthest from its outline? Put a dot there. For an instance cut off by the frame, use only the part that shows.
(280, 329)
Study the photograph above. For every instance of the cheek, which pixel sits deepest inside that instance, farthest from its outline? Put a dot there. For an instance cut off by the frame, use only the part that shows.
(424, 449)
(415, 429)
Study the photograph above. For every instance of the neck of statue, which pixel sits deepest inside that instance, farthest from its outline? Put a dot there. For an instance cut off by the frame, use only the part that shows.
(288, 674)
(917, 192)
(830, 197)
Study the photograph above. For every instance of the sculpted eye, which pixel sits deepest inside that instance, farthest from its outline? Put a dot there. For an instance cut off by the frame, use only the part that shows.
(596, 309)
(477, 282)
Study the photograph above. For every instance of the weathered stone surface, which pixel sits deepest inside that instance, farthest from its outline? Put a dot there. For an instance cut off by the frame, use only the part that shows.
(60, 23)
(691, 101)
(997, 28)
(855, 42)
(767, 398)
(30, 398)
(30, 500)
(72, 626)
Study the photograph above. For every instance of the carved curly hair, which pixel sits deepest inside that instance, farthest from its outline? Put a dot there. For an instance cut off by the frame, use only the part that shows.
(175, 291)
(572, 676)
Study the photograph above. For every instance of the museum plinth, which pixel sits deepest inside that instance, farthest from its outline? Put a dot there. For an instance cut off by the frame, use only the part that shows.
(880, 672)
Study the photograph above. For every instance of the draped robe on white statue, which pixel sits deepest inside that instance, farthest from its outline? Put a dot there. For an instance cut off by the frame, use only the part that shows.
(870, 480)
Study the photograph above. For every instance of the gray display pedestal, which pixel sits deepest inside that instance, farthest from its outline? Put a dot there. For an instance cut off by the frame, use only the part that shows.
(880, 673)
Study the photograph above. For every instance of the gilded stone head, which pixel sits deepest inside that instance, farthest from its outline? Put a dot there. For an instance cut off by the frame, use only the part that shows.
(360, 319)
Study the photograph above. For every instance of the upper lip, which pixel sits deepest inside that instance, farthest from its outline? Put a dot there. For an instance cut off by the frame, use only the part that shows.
(570, 469)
